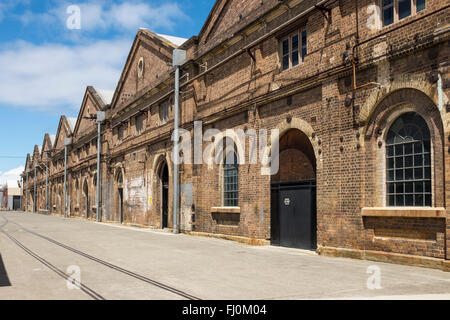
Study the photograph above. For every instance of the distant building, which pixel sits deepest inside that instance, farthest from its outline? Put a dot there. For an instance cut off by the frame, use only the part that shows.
(3, 196)
(13, 196)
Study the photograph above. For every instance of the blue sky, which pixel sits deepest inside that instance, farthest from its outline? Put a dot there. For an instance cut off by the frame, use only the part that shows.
(45, 66)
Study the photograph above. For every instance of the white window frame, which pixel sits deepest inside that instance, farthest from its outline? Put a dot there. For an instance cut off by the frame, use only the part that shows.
(395, 5)
(289, 37)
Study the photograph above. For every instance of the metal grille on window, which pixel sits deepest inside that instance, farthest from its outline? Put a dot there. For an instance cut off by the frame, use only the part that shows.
(408, 162)
(231, 180)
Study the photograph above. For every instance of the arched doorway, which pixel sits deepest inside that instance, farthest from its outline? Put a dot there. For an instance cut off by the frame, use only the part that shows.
(119, 183)
(293, 193)
(164, 188)
(86, 198)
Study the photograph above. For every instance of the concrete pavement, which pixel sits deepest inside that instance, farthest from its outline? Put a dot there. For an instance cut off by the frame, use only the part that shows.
(119, 262)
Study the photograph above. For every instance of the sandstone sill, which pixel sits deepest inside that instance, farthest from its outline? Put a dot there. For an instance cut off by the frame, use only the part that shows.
(225, 210)
(411, 212)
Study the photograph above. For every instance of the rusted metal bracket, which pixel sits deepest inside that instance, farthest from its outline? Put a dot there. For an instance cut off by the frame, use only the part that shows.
(326, 12)
(251, 55)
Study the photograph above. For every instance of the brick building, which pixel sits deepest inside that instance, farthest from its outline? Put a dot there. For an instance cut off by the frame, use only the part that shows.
(357, 89)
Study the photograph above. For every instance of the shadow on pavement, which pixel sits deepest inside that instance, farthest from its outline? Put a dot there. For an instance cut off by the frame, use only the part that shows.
(4, 280)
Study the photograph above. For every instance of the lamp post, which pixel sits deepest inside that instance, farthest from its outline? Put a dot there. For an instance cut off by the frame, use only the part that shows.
(26, 192)
(100, 119)
(34, 186)
(179, 58)
(67, 142)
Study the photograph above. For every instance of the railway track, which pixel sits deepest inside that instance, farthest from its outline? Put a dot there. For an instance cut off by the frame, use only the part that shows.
(109, 265)
(59, 272)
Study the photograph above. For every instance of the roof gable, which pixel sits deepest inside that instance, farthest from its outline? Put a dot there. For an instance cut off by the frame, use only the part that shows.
(28, 164)
(155, 52)
(64, 131)
(47, 146)
(93, 101)
(36, 155)
(229, 16)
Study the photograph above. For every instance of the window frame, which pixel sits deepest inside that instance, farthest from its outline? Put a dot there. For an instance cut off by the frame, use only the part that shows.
(395, 6)
(139, 119)
(164, 112)
(302, 51)
(226, 191)
(424, 166)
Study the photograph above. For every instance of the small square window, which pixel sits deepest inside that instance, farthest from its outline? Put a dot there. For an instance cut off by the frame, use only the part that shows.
(291, 50)
(164, 112)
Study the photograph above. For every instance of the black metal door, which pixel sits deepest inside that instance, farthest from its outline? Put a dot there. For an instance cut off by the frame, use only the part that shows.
(16, 202)
(120, 205)
(294, 215)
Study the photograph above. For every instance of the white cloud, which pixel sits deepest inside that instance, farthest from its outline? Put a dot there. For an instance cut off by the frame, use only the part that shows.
(51, 76)
(13, 174)
(97, 16)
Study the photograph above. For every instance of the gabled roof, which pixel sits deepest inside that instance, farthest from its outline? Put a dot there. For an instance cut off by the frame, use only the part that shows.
(52, 138)
(27, 162)
(47, 144)
(72, 122)
(65, 125)
(142, 35)
(100, 99)
(105, 95)
(36, 154)
(219, 5)
(177, 41)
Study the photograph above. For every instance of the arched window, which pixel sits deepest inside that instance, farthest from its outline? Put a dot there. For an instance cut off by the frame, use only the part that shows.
(230, 179)
(408, 162)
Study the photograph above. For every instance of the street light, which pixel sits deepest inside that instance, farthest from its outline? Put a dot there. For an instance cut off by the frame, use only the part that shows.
(179, 58)
(26, 192)
(67, 142)
(34, 191)
(100, 119)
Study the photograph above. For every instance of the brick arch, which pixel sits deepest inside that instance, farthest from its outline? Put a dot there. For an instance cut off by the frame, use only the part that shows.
(158, 160)
(398, 102)
(239, 145)
(155, 192)
(378, 124)
(119, 169)
(305, 127)
(412, 82)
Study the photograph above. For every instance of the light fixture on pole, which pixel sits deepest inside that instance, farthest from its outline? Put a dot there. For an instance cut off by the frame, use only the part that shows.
(179, 58)
(100, 119)
(26, 192)
(34, 190)
(67, 142)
